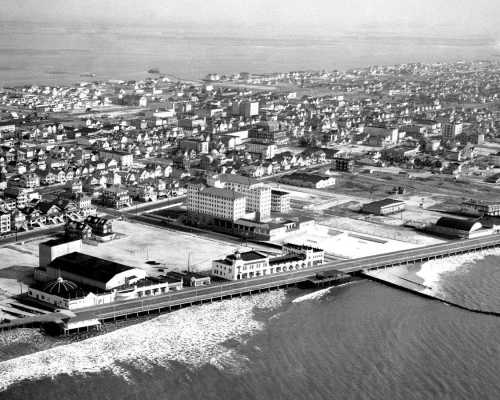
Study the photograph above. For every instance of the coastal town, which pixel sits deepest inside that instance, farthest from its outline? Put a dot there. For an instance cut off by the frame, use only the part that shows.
(115, 191)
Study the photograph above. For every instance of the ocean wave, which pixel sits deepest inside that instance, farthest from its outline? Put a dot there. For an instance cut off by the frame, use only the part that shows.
(194, 336)
(431, 271)
(318, 294)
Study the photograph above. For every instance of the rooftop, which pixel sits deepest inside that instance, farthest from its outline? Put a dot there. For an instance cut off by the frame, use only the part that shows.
(315, 178)
(459, 224)
(234, 178)
(286, 258)
(384, 203)
(225, 193)
(89, 267)
(58, 241)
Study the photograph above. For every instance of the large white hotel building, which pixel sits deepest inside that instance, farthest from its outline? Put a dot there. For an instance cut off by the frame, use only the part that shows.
(252, 264)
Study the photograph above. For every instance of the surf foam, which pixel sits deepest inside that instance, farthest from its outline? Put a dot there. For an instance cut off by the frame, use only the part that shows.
(431, 271)
(194, 336)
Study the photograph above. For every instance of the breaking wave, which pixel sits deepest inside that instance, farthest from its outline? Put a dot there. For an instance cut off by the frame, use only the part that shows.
(194, 336)
(432, 271)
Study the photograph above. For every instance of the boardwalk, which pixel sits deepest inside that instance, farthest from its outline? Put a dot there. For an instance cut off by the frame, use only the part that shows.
(190, 296)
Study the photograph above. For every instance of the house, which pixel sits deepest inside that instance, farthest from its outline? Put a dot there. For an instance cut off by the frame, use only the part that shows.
(100, 226)
(116, 196)
(77, 230)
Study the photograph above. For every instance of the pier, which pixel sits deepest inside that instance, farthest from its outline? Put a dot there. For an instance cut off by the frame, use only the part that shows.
(134, 308)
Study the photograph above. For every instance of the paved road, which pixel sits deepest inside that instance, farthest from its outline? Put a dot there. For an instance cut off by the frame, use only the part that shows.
(234, 288)
(23, 236)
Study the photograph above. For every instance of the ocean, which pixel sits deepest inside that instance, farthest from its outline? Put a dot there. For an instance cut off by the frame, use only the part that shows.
(363, 340)
(360, 341)
(42, 53)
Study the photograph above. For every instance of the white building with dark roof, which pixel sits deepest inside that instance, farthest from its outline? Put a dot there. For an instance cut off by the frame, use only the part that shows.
(252, 264)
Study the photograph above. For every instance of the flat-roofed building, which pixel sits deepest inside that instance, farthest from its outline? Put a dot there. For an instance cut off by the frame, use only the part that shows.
(192, 279)
(345, 164)
(383, 207)
(252, 264)
(51, 249)
(257, 194)
(280, 201)
(265, 151)
(215, 202)
(452, 130)
(489, 208)
(5, 219)
(304, 179)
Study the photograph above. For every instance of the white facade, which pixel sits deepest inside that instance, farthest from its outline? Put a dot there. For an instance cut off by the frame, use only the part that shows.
(216, 202)
(5, 223)
(266, 151)
(280, 201)
(253, 264)
(451, 130)
(52, 249)
(258, 194)
(125, 159)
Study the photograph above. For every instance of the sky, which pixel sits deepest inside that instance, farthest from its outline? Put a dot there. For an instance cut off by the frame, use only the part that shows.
(418, 17)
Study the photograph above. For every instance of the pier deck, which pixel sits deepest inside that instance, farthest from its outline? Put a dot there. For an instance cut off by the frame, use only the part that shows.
(224, 290)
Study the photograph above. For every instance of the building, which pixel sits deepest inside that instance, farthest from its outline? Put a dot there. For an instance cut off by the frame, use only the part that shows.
(264, 151)
(458, 228)
(264, 135)
(125, 159)
(252, 264)
(199, 145)
(90, 271)
(215, 202)
(116, 196)
(51, 249)
(381, 135)
(495, 159)
(191, 279)
(280, 201)
(257, 194)
(488, 208)
(143, 192)
(345, 164)
(451, 130)
(77, 230)
(5, 219)
(66, 294)
(20, 195)
(303, 179)
(246, 109)
(383, 207)
(100, 226)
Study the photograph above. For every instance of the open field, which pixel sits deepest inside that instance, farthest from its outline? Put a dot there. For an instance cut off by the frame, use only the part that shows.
(139, 244)
(347, 243)
(169, 248)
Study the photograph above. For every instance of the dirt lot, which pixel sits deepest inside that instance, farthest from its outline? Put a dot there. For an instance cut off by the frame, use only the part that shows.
(137, 245)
